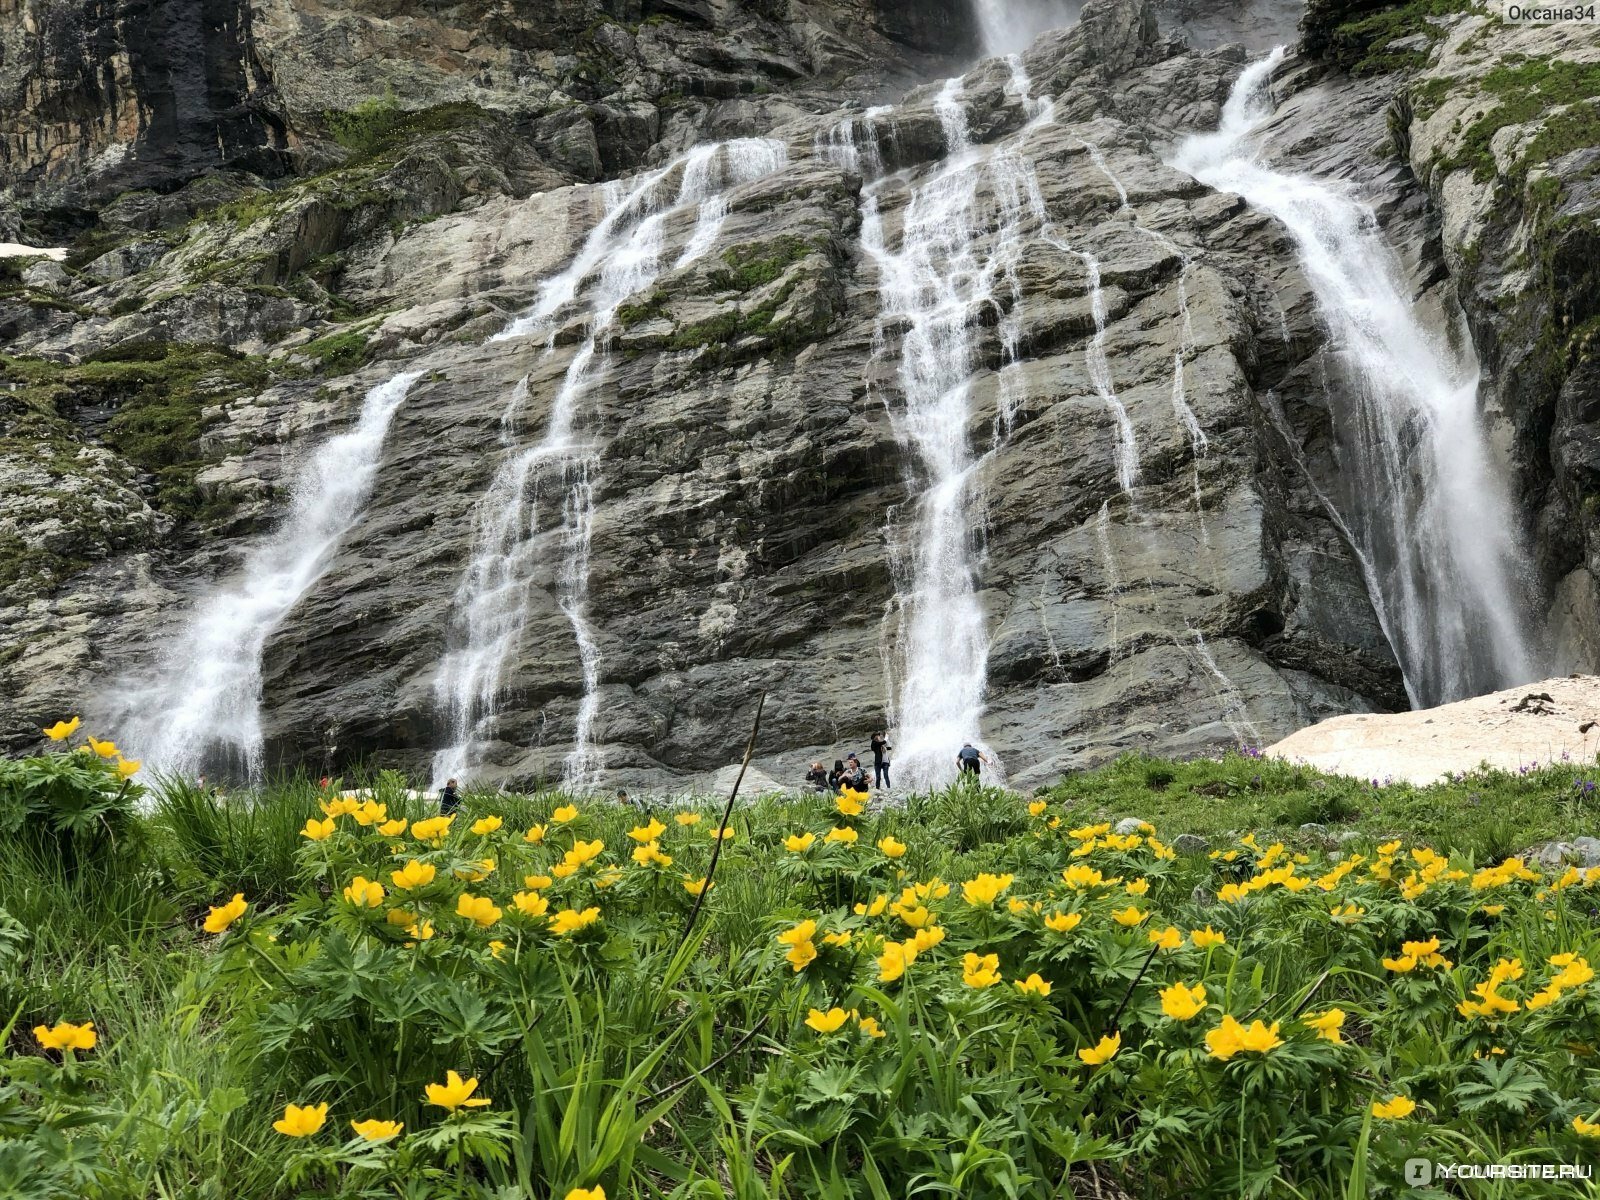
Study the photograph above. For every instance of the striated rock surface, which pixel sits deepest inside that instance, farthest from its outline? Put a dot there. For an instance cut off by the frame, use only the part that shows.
(752, 493)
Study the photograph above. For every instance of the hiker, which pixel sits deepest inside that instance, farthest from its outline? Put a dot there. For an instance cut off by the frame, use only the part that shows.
(970, 760)
(818, 779)
(880, 758)
(450, 798)
(854, 777)
(836, 776)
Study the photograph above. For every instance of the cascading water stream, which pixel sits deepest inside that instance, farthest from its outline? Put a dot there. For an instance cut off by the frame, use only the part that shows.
(1006, 26)
(622, 255)
(203, 709)
(1427, 507)
(955, 255)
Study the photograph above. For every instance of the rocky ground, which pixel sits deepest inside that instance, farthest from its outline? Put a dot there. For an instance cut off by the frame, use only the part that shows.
(209, 324)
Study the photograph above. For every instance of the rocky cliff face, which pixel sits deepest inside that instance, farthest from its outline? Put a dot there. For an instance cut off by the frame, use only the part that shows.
(392, 184)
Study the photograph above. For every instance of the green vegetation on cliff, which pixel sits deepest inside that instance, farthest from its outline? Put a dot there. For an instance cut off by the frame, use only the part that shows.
(1370, 37)
(147, 401)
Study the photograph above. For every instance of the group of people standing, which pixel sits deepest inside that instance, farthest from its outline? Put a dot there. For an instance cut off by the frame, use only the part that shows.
(849, 773)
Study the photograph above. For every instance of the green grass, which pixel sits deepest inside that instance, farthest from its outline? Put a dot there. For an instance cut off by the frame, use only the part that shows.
(664, 1068)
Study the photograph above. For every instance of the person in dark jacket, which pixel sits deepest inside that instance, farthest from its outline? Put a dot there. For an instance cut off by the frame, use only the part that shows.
(818, 778)
(836, 776)
(970, 760)
(450, 798)
(880, 758)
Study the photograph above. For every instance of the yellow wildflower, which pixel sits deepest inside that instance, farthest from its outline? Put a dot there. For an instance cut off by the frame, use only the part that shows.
(62, 730)
(413, 875)
(65, 1036)
(1396, 1108)
(799, 843)
(364, 892)
(480, 910)
(564, 814)
(1169, 938)
(1129, 916)
(891, 847)
(486, 825)
(1037, 807)
(103, 749)
(1230, 1038)
(1183, 1003)
(373, 1130)
(695, 886)
(1103, 1052)
(870, 1027)
(1327, 1024)
(535, 835)
(570, 920)
(1033, 985)
(985, 889)
(687, 818)
(650, 854)
(393, 828)
(842, 834)
(894, 960)
(531, 904)
(827, 1022)
(431, 829)
(128, 767)
(1585, 1128)
(223, 915)
(1205, 939)
(647, 833)
(1061, 922)
(318, 831)
(873, 909)
(454, 1093)
(849, 805)
(298, 1122)
(980, 970)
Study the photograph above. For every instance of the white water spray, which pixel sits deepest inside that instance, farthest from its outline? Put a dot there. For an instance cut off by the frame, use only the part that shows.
(203, 710)
(621, 257)
(1427, 507)
(1007, 26)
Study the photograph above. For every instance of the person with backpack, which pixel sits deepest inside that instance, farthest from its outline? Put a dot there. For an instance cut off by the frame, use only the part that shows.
(970, 760)
(880, 758)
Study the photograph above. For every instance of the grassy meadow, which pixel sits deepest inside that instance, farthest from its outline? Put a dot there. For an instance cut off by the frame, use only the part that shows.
(971, 994)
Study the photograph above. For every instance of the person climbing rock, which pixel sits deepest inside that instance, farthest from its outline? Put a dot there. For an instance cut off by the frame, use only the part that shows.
(971, 761)
(818, 778)
(880, 758)
(450, 798)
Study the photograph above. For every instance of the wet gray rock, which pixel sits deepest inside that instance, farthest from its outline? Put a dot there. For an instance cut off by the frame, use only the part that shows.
(752, 485)
(1190, 843)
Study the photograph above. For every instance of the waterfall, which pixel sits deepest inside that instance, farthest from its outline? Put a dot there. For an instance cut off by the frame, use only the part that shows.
(621, 257)
(1006, 26)
(932, 287)
(1427, 507)
(203, 708)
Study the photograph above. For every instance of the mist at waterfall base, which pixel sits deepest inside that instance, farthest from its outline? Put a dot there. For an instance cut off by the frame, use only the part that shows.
(201, 710)
(1425, 502)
